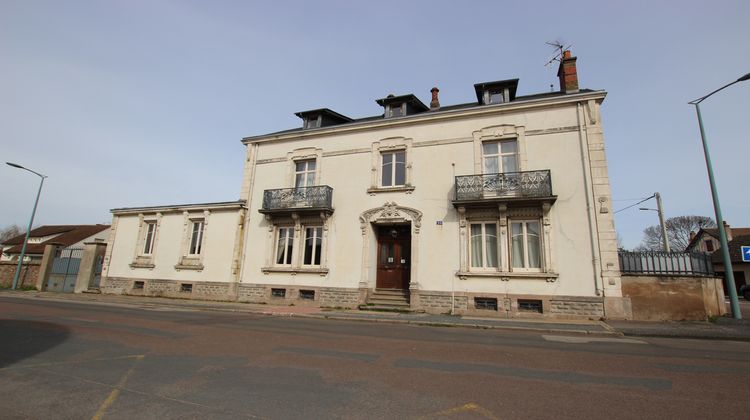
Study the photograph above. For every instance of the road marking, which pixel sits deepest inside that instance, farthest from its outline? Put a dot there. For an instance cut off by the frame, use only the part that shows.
(468, 407)
(36, 365)
(585, 340)
(116, 391)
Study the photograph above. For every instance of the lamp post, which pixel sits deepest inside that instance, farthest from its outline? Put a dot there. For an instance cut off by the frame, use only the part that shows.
(31, 221)
(659, 209)
(729, 275)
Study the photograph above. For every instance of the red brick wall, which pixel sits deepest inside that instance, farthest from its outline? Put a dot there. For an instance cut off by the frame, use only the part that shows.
(29, 273)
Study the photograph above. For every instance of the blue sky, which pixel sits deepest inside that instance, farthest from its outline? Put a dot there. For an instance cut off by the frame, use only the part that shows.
(130, 103)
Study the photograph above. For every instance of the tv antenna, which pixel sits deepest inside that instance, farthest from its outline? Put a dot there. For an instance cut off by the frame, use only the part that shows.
(560, 48)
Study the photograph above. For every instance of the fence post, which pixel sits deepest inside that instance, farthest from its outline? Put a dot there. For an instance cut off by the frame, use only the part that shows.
(46, 266)
(87, 268)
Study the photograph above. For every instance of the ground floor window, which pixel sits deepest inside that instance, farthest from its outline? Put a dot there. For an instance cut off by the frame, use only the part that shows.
(526, 244)
(284, 245)
(484, 245)
(313, 245)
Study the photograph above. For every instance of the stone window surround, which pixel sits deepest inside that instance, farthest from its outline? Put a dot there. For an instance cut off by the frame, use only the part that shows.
(305, 153)
(141, 260)
(503, 215)
(187, 261)
(390, 213)
(390, 144)
(499, 133)
(298, 222)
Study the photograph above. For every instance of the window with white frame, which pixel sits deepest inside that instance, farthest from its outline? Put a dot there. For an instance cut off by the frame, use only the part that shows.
(196, 237)
(304, 173)
(148, 243)
(526, 245)
(284, 245)
(396, 110)
(313, 245)
(484, 249)
(496, 96)
(500, 156)
(393, 169)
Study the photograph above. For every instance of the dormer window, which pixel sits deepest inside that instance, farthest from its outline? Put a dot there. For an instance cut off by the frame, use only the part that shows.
(401, 106)
(496, 96)
(312, 121)
(322, 117)
(499, 92)
(396, 110)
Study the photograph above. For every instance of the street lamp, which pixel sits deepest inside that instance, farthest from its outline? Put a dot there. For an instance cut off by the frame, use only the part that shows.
(31, 221)
(659, 209)
(735, 303)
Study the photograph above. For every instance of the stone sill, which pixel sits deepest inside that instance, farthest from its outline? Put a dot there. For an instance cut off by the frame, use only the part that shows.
(150, 266)
(179, 267)
(295, 270)
(506, 276)
(375, 190)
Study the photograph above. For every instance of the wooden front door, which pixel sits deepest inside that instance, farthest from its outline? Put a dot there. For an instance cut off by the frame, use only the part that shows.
(394, 257)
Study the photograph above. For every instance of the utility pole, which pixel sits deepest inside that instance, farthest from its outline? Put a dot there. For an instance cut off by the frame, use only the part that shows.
(660, 210)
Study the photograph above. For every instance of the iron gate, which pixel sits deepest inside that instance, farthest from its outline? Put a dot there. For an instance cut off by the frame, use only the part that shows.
(64, 272)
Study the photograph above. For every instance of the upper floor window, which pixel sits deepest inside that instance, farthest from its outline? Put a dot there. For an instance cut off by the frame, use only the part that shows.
(709, 245)
(526, 245)
(304, 173)
(393, 169)
(196, 237)
(484, 249)
(500, 156)
(148, 245)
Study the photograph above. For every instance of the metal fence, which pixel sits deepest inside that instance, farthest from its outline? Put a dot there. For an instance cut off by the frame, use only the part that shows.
(504, 185)
(662, 263)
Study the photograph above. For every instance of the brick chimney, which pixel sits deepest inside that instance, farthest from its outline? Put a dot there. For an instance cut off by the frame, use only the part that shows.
(728, 230)
(435, 102)
(567, 73)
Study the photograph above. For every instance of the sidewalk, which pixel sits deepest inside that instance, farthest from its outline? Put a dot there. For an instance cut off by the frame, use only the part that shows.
(722, 329)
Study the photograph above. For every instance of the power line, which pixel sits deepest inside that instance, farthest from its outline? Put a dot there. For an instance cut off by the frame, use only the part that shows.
(633, 205)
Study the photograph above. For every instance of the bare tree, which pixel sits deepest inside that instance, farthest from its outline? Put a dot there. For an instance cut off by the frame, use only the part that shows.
(678, 231)
(9, 232)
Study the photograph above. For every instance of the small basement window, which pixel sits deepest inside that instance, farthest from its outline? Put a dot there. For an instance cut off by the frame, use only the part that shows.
(279, 293)
(307, 294)
(138, 285)
(485, 303)
(186, 287)
(528, 305)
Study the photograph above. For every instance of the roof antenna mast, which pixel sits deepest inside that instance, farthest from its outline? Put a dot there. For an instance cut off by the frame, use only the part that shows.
(560, 48)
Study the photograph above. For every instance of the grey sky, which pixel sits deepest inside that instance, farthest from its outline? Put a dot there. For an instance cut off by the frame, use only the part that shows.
(130, 103)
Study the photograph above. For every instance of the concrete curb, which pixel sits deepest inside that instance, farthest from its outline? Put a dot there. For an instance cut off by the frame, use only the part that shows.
(685, 336)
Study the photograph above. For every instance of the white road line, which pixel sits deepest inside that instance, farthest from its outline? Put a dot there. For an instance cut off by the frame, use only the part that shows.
(584, 340)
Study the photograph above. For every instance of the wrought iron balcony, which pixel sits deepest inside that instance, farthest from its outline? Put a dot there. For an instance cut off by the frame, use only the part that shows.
(295, 199)
(506, 186)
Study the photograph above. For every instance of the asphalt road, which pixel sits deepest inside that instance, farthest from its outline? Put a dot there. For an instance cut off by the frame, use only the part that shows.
(81, 360)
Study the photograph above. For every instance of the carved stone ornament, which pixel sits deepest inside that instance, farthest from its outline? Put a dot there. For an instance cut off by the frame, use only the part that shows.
(391, 213)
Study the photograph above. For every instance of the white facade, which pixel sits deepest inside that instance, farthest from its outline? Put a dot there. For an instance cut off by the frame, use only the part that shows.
(394, 220)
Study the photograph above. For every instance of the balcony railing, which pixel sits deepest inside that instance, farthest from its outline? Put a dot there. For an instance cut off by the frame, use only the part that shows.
(312, 198)
(529, 184)
(662, 263)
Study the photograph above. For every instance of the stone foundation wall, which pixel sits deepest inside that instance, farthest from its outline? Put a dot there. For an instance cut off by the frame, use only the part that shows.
(663, 298)
(29, 273)
(577, 307)
(439, 302)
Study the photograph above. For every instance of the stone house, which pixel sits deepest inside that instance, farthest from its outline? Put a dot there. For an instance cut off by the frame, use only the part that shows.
(497, 207)
(707, 241)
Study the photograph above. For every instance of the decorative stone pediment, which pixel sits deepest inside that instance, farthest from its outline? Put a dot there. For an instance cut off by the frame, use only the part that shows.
(390, 213)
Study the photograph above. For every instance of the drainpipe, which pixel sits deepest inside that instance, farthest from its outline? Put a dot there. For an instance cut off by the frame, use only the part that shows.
(589, 209)
(248, 206)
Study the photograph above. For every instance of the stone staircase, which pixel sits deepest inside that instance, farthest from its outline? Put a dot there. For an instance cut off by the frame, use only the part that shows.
(393, 300)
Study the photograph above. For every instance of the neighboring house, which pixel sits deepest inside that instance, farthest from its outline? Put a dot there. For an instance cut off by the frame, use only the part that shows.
(67, 236)
(499, 206)
(707, 241)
